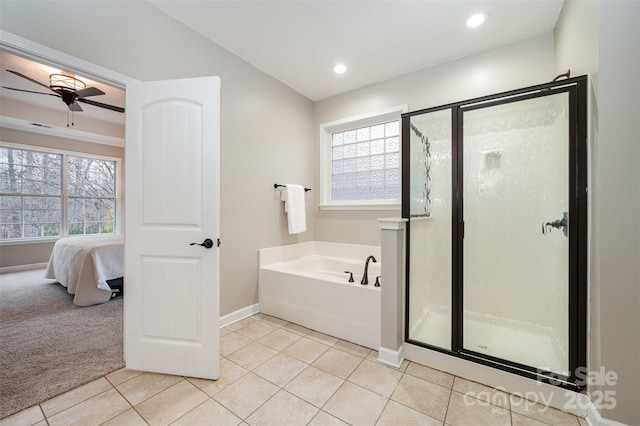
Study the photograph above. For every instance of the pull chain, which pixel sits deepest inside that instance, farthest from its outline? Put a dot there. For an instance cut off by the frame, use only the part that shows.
(69, 117)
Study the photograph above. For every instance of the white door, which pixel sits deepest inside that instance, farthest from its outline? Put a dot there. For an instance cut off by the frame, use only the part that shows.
(172, 164)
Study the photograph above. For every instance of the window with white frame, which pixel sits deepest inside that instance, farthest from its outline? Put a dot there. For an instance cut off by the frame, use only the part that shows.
(52, 194)
(361, 161)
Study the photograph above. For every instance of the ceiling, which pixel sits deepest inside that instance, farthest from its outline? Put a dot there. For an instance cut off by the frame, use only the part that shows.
(299, 42)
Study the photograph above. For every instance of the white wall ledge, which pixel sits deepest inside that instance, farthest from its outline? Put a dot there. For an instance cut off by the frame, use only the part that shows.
(392, 223)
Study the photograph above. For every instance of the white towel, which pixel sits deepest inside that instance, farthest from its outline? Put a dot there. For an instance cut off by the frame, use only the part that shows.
(293, 197)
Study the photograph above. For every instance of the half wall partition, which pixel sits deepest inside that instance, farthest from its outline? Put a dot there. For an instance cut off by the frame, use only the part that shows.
(494, 189)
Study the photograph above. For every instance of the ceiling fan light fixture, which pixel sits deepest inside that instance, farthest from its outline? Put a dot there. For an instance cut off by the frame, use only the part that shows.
(65, 82)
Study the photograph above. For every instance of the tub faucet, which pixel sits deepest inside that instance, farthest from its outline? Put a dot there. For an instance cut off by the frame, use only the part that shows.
(365, 277)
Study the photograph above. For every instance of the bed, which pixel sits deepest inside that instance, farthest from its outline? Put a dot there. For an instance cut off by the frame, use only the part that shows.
(85, 264)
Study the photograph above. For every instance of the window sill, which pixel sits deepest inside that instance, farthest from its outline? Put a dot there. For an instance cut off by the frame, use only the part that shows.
(39, 240)
(359, 206)
(44, 240)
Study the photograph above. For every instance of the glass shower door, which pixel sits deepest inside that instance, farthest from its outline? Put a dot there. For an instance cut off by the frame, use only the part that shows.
(430, 213)
(515, 257)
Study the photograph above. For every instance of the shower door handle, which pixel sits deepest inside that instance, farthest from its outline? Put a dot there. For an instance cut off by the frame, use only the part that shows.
(560, 223)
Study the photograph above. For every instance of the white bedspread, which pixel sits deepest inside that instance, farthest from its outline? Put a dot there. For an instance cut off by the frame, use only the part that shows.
(83, 265)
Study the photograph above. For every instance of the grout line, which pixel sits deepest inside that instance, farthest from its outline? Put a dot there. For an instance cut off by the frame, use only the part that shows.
(46, 420)
(275, 327)
(448, 404)
(77, 403)
(196, 407)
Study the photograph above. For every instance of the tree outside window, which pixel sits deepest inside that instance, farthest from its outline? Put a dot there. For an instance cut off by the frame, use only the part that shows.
(32, 194)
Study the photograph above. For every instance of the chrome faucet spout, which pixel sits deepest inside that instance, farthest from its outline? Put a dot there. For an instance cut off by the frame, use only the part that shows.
(365, 276)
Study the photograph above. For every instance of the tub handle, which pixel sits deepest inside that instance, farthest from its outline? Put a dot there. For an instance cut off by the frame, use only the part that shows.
(377, 284)
(350, 275)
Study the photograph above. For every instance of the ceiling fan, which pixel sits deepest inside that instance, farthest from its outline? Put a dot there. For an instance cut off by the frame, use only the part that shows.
(70, 89)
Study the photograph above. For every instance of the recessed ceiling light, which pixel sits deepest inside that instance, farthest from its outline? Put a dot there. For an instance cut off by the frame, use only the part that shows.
(340, 68)
(476, 20)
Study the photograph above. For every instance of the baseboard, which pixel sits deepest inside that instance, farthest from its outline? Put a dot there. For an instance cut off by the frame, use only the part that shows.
(391, 357)
(595, 419)
(239, 314)
(18, 268)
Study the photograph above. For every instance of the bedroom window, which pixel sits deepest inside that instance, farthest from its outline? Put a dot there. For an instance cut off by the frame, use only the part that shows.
(91, 195)
(46, 194)
(360, 162)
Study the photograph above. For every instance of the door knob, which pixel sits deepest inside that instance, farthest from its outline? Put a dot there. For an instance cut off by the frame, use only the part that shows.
(208, 243)
(558, 224)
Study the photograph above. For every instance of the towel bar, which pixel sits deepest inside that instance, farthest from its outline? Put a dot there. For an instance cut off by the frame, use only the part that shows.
(277, 185)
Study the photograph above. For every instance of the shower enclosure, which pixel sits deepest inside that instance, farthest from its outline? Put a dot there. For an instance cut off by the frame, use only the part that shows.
(495, 192)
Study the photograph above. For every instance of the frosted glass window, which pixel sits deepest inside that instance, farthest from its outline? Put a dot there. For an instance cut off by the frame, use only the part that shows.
(392, 128)
(349, 151)
(377, 178)
(377, 132)
(350, 136)
(362, 134)
(363, 149)
(377, 147)
(377, 162)
(349, 193)
(364, 179)
(338, 153)
(366, 163)
(392, 161)
(363, 163)
(392, 144)
(350, 165)
(377, 192)
(364, 193)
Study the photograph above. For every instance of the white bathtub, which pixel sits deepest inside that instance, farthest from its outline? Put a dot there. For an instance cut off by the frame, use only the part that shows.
(305, 283)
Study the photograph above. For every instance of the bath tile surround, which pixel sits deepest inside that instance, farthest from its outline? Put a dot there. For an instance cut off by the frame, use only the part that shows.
(275, 372)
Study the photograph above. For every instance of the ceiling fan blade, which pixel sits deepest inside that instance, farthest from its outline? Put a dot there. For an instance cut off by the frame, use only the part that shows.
(101, 105)
(30, 91)
(89, 91)
(75, 107)
(29, 78)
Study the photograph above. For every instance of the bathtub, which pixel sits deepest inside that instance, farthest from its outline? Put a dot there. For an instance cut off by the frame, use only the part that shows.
(305, 283)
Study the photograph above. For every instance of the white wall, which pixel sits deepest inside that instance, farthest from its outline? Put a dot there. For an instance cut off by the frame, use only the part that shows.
(618, 177)
(264, 124)
(602, 38)
(576, 40)
(517, 65)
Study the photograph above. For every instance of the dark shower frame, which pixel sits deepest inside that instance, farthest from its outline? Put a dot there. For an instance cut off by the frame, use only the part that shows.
(577, 89)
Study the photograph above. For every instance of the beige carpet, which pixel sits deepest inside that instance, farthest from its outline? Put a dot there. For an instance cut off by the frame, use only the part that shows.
(47, 344)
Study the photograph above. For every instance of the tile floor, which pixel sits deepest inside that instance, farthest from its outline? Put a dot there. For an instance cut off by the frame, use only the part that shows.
(279, 373)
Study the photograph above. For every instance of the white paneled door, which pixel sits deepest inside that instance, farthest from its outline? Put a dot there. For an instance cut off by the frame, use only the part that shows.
(171, 306)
